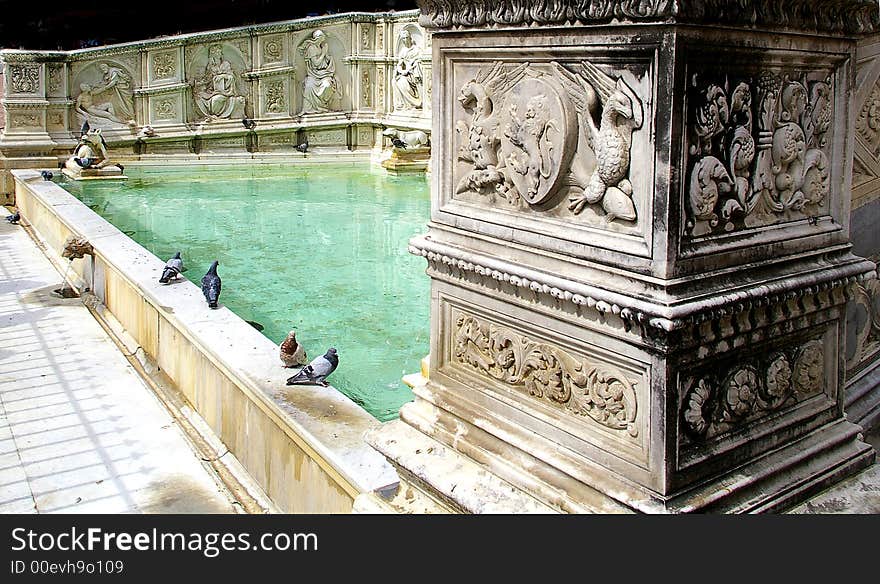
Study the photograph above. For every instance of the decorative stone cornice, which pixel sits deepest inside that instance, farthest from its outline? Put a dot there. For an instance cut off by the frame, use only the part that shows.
(842, 16)
(458, 264)
(159, 89)
(269, 72)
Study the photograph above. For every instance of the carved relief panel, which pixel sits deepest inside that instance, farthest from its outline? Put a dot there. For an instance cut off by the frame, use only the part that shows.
(320, 64)
(214, 72)
(165, 109)
(56, 119)
(56, 81)
(164, 67)
(553, 142)
(366, 35)
(273, 50)
(25, 78)
(723, 401)
(103, 91)
(274, 93)
(758, 148)
(592, 394)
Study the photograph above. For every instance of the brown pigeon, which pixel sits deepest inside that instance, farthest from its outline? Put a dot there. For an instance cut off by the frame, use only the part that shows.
(292, 353)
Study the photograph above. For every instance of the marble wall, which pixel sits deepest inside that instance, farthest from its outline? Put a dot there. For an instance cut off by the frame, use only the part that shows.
(335, 81)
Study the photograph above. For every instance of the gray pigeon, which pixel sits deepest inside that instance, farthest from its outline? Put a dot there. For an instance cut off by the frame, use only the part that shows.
(14, 218)
(304, 147)
(47, 175)
(315, 372)
(211, 285)
(173, 268)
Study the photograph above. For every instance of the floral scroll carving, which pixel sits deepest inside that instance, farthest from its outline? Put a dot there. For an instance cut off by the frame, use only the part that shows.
(275, 101)
(868, 120)
(536, 132)
(25, 78)
(590, 390)
(716, 403)
(163, 65)
(757, 151)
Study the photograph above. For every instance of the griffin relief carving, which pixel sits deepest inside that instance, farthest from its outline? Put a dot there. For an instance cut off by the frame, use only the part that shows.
(757, 153)
(536, 132)
(596, 391)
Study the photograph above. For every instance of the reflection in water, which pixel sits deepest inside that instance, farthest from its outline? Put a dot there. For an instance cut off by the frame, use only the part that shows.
(320, 249)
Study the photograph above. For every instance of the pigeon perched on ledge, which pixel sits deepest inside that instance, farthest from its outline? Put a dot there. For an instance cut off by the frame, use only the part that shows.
(46, 175)
(398, 143)
(248, 123)
(211, 285)
(14, 218)
(317, 371)
(304, 147)
(292, 353)
(173, 268)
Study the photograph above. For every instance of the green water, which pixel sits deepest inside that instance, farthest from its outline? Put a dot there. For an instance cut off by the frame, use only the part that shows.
(320, 249)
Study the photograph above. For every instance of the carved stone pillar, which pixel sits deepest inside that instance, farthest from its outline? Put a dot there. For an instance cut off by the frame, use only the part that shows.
(640, 258)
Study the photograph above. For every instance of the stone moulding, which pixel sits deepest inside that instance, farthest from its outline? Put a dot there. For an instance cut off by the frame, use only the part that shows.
(843, 16)
(463, 265)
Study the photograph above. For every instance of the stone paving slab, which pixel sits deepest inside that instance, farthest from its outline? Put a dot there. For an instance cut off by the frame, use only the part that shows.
(80, 432)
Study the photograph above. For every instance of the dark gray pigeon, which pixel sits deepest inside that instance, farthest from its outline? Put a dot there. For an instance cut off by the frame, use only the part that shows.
(248, 123)
(14, 218)
(173, 268)
(315, 372)
(85, 128)
(398, 143)
(211, 285)
(47, 175)
(304, 147)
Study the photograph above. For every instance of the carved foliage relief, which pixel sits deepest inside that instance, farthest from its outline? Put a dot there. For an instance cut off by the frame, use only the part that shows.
(597, 391)
(550, 137)
(757, 149)
(868, 121)
(722, 400)
(164, 65)
(25, 78)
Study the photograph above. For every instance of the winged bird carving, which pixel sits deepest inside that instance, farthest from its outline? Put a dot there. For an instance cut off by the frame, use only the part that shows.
(609, 112)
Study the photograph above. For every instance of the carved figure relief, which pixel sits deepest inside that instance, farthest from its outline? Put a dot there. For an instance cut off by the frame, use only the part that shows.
(536, 131)
(275, 100)
(380, 87)
(408, 73)
(366, 88)
(25, 78)
(320, 86)
(215, 91)
(716, 403)
(163, 66)
(26, 120)
(597, 391)
(757, 152)
(106, 100)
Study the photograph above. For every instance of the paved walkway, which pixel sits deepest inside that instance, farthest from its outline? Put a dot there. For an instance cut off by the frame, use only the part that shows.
(80, 432)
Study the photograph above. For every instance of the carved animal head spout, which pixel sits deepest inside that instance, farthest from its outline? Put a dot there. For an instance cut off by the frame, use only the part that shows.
(77, 247)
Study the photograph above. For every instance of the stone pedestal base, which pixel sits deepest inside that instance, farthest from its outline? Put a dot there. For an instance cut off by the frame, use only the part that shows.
(409, 160)
(437, 479)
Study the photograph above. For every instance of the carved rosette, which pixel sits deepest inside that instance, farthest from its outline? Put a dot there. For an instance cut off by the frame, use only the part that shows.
(24, 78)
(164, 109)
(597, 391)
(537, 133)
(757, 150)
(715, 403)
(868, 121)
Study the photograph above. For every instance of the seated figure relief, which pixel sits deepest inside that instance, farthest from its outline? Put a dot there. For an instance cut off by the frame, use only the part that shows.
(214, 92)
